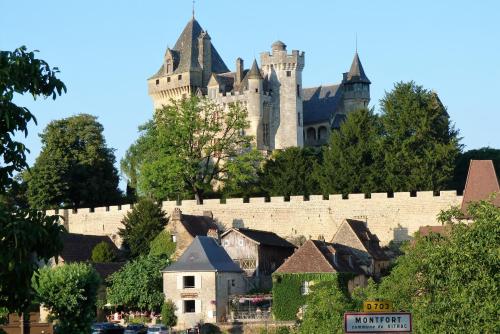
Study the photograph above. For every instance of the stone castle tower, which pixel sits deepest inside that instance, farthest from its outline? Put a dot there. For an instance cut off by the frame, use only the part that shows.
(281, 112)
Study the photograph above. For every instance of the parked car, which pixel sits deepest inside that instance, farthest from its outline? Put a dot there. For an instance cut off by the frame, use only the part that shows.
(135, 329)
(158, 329)
(106, 328)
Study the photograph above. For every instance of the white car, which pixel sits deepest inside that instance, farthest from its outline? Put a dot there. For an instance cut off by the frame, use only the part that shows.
(158, 329)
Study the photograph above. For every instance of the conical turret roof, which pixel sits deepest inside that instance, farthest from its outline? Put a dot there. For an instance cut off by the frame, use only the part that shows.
(357, 73)
(254, 72)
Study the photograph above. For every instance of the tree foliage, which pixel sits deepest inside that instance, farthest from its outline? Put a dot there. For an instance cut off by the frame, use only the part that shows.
(168, 317)
(463, 161)
(70, 293)
(184, 149)
(26, 236)
(451, 284)
(75, 167)
(141, 225)
(162, 245)
(138, 284)
(420, 143)
(103, 253)
(289, 172)
(243, 175)
(353, 160)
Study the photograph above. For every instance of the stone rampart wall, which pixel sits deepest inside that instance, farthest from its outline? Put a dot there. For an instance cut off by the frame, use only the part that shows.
(396, 217)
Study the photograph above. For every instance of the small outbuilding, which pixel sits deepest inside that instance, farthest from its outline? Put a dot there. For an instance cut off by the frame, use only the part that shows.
(201, 281)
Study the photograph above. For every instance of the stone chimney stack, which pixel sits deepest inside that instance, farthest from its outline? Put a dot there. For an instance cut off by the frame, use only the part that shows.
(239, 70)
(176, 214)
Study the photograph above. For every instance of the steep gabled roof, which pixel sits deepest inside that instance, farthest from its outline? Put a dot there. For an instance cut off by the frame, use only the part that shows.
(356, 72)
(187, 50)
(261, 237)
(370, 241)
(78, 247)
(204, 254)
(254, 72)
(198, 225)
(481, 183)
(320, 103)
(316, 256)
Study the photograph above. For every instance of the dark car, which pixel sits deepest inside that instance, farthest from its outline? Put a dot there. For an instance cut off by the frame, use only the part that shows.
(106, 328)
(135, 329)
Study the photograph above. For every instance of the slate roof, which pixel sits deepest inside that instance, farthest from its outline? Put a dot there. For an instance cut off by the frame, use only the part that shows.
(356, 72)
(106, 269)
(204, 254)
(78, 247)
(369, 240)
(316, 256)
(264, 238)
(187, 50)
(481, 182)
(254, 72)
(320, 103)
(198, 225)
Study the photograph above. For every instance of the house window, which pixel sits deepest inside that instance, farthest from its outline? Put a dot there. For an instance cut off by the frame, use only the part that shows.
(288, 73)
(304, 289)
(157, 81)
(189, 306)
(188, 282)
(179, 77)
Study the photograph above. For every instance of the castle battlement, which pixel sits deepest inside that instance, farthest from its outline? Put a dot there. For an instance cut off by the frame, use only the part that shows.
(391, 216)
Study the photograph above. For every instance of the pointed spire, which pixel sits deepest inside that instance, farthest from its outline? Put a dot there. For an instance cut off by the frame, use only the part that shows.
(193, 9)
(254, 72)
(357, 73)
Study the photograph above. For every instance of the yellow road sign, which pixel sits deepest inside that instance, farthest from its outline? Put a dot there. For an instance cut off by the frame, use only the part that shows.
(377, 306)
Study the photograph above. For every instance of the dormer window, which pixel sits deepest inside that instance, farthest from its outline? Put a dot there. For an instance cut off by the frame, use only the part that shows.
(169, 66)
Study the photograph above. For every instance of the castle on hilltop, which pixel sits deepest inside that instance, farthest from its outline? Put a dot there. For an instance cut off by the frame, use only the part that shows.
(281, 112)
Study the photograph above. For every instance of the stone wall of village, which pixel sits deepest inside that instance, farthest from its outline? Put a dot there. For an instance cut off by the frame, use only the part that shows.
(390, 218)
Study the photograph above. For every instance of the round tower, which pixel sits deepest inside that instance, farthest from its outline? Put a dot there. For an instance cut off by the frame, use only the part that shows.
(356, 87)
(254, 103)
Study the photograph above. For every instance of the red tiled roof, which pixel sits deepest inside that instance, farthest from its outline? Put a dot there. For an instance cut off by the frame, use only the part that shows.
(481, 183)
(426, 230)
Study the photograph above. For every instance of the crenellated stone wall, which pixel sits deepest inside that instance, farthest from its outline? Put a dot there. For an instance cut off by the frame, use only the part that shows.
(396, 217)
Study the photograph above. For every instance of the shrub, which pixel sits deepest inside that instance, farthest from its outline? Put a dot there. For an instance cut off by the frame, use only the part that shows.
(168, 317)
(103, 253)
(162, 245)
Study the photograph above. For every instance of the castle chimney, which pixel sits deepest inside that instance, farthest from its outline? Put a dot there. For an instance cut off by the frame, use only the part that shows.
(208, 214)
(239, 70)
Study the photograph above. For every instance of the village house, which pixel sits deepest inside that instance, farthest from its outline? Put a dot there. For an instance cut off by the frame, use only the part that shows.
(355, 238)
(201, 281)
(185, 228)
(259, 253)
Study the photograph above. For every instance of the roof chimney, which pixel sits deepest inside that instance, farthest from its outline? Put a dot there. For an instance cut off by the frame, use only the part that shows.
(239, 70)
(208, 214)
(176, 214)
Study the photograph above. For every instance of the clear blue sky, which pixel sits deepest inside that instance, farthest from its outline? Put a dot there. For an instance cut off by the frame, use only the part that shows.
(107, 49)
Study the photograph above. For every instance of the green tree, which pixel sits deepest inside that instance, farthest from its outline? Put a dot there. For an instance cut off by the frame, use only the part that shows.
(451, 284)
(325, 308)
(26, 236)
(463, 161)
(353, 159)
(420, 143)
(138, 284)
(141, 225)
(184, 149)
(70, 294)
(162, 245)
(75, 167)
(243, 175)
(290, 172)
(103, 253)
(168, 317)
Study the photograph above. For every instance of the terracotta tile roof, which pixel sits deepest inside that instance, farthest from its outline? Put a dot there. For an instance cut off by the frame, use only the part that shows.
(426, 230)
(262, 237)
(481, 183)
(368, 239)
(316, 256)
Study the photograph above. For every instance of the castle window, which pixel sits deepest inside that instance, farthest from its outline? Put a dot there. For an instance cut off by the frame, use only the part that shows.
(265, 133)
(299, 119)
(179, 77)
(169, 66)
(157, 81)
(168, 79)
(256, 90)
(288, 73)
(298, 90)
